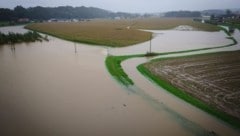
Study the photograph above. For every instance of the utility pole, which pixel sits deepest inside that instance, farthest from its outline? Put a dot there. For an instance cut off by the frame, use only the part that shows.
(75, 47)
(150, 47)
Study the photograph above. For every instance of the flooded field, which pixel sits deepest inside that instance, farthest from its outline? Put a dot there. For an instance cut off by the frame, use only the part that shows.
(174, 40)
(13, 29)
(63, 88)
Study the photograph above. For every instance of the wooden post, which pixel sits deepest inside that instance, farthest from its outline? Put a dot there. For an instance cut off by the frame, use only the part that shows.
(75, 46)
(150, 48)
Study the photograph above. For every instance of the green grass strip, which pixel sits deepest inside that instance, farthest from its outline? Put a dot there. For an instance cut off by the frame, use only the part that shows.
(113, 64)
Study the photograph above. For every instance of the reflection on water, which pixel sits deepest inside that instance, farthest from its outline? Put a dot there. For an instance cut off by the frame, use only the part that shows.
(13, 47)
(63, 88)
(75, 47)
(13, 29)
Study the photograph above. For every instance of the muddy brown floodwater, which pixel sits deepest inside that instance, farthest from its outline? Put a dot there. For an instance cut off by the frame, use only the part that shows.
(174, 40)
(62, 88)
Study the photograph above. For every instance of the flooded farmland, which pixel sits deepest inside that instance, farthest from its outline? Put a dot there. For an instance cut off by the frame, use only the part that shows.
(63, 88)
(174, 40)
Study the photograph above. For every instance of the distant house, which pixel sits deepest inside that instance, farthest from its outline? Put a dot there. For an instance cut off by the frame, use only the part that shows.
(205, 18)
(117, 18)
(53, 20)
(229, 16)
(23, 20)
(74, 20)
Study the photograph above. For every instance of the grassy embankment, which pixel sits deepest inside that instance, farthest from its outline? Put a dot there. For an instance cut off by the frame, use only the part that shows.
(185, 96)
(113, 64)
(114, 33)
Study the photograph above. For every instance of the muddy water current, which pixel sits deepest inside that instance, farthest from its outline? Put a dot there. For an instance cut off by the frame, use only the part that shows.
(63, 88)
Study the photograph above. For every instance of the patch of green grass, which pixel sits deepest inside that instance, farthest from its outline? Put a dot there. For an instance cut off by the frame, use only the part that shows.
(113, 64)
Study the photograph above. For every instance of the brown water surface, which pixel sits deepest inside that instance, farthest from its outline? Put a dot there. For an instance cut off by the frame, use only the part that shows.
(60, 88)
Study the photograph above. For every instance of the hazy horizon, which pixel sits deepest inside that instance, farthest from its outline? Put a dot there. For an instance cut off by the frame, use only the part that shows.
(133, 6)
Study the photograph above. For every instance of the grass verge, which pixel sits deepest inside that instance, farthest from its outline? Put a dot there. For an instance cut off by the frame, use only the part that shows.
(113, 64)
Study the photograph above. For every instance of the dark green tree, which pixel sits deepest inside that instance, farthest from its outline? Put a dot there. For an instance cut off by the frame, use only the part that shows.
(228, 12)
(20, 12)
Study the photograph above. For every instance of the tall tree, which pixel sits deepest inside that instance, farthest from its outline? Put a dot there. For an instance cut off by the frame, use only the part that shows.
(6, 14)
(228, 12)
(20, 12)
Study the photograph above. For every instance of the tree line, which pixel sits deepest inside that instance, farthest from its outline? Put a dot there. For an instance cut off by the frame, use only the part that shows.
(62, 12)
(12, 38)
(183, 14)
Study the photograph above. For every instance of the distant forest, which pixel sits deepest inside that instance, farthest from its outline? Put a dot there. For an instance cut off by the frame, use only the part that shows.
(62, 12)
(183, 14)
(68, 12)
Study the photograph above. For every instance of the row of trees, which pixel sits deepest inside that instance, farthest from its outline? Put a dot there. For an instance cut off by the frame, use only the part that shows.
(183, 14)
(62, 12)
(12, 38)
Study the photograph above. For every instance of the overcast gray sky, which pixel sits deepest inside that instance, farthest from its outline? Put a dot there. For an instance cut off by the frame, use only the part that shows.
(139, 6)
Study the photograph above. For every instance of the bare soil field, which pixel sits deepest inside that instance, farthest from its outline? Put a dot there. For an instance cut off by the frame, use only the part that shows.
(211, 78)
